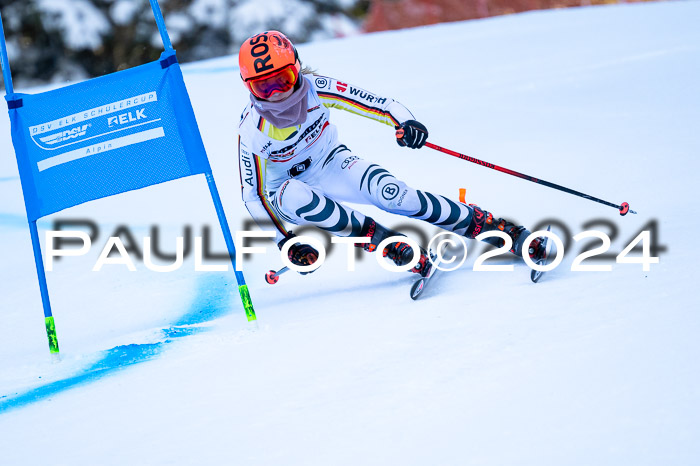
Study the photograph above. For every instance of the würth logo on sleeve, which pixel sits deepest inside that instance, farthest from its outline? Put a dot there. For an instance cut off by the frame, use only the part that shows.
(342, 87)
(364, 95)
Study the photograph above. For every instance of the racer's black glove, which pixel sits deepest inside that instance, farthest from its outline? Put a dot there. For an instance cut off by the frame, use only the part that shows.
(299, 253)
(411, 133)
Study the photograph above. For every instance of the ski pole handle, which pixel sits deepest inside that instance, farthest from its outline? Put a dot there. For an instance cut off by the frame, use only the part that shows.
(272, 277)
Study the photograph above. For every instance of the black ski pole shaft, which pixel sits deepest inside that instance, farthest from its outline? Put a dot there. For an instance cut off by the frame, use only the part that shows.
(623, 208)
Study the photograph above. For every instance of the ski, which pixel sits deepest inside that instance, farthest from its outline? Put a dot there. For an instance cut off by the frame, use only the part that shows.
(535, 275)
(420, 284)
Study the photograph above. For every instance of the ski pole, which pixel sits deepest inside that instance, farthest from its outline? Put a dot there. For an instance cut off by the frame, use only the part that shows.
(623, 208)
(272, 277)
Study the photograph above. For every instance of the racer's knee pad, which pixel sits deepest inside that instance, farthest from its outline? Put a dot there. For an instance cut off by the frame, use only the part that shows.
(292, 196)
(395, 196)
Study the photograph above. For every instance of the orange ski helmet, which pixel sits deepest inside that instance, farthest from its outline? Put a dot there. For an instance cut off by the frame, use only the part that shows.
(265, 55)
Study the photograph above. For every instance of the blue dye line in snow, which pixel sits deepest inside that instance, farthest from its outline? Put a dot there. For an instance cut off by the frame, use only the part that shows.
(12, 220)
(20, 221)
(212, 300)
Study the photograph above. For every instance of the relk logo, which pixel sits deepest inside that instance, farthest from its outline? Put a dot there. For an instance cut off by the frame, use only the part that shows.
(62, 136)
(127, 117)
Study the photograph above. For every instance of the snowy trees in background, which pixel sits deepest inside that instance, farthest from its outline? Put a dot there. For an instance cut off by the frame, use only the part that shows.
(56, 40)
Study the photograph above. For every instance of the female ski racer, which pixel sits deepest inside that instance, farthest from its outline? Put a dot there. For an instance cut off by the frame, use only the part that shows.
(294, 169)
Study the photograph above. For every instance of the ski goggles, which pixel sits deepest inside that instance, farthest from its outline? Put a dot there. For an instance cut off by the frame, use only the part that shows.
(282, 81)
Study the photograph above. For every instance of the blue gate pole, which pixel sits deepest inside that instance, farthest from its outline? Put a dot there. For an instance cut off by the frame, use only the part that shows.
(36, 245)
(6, 74)
(161, 25)
(41, 274)
(242, 287)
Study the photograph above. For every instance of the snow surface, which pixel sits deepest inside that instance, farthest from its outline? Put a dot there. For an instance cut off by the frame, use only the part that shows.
(343, 368)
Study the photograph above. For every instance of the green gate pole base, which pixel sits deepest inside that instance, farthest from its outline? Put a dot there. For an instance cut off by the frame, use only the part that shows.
(247, 303)
(51, 333)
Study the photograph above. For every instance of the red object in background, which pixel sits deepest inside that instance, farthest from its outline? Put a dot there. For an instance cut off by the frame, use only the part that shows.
(397, 14)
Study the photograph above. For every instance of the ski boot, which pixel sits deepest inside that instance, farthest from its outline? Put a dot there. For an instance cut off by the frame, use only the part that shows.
(538, 249)
(401, 253)
(483, 221)
(538, 254)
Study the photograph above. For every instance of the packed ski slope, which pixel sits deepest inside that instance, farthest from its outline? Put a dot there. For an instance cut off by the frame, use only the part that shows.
(343, 367)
